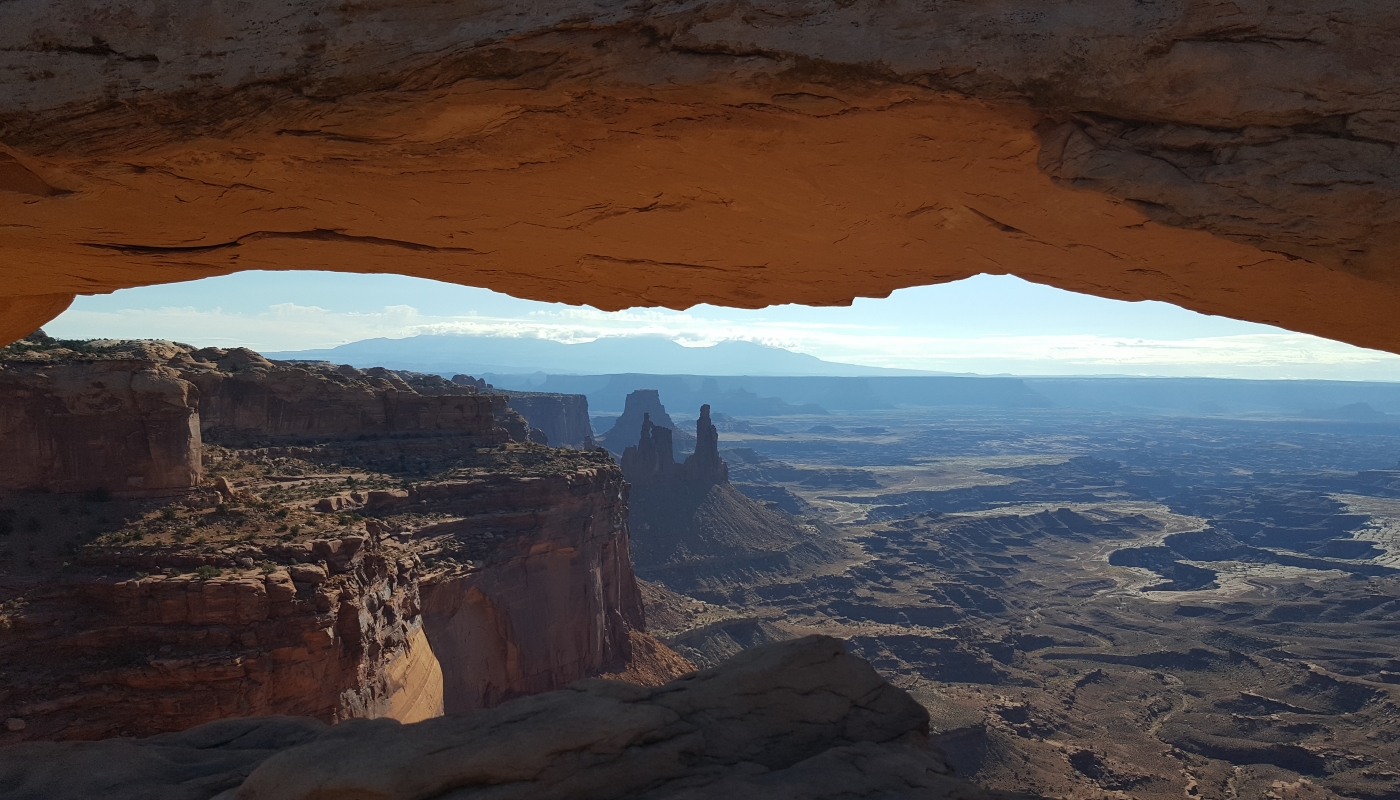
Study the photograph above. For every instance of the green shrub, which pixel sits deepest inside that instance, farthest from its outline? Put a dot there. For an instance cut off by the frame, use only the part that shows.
(206, 571)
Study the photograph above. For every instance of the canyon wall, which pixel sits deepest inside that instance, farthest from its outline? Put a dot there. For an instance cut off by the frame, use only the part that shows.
(131, 417)
(335, 635)
(1233, 158)
(562, 417)
(243, 398)
(364, 544)
(547, 595)
(119, 426)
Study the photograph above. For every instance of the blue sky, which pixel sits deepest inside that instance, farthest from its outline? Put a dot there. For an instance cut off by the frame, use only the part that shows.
(986, 324)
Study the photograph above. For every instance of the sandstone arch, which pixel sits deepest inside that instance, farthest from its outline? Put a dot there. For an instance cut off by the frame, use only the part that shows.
(1236, 158)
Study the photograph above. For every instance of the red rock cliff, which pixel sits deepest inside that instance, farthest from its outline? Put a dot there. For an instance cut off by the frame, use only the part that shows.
(243, 397)
(122, 426)
(298, 604)
(545, 594)
(333, 633)
(130, 417)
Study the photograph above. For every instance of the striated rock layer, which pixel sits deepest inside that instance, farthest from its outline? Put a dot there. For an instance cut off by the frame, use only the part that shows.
(131, 417)
(244, 398)
(547, 596)
(120, 425)
(796, 719)
(1233, 158)
(562, 418)
(333, 631)
(373, 546)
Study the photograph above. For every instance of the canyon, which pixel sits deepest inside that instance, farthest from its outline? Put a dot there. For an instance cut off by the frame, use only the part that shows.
(1090, 607)
(1092, 603)
(322, 541)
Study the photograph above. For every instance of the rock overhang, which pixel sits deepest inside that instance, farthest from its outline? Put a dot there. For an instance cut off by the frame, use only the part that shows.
(1236, 159)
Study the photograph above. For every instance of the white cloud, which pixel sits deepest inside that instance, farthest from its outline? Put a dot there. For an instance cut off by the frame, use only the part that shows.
(289, 326)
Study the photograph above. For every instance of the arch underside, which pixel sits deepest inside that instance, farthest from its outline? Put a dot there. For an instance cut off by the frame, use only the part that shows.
(1239, 163)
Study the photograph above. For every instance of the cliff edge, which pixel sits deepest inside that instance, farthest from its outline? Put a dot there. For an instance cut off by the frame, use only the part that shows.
(331, 542)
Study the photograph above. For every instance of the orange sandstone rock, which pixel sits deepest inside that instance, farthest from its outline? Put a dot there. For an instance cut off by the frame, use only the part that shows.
(550, 597)
(1234, 159)
(91, 657)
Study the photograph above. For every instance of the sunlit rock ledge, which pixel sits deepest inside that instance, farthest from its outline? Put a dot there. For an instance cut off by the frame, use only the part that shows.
(1233, 158)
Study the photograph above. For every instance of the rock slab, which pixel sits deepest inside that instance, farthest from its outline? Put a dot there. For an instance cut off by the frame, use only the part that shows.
(795, 719)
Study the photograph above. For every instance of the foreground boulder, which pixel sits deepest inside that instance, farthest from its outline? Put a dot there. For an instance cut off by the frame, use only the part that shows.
(794, 719)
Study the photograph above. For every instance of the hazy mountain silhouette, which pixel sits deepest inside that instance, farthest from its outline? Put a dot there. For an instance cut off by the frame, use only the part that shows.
(519, 356)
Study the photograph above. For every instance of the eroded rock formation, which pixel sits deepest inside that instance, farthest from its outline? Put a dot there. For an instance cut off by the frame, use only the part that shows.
(331, 629)
(705, 465)
(696, 533)
(547, 595)
(643, 406)
(244, 398)
(351, 524)
(562, 418)
(1234, 158)
(652, 460)
(796, 719)
(130, 417)
(124, 425)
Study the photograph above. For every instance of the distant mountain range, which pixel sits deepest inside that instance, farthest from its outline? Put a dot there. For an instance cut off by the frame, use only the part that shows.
(476, 355)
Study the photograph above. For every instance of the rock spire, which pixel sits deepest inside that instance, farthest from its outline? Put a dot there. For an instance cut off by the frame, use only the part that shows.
(705, 465)
(653, 460)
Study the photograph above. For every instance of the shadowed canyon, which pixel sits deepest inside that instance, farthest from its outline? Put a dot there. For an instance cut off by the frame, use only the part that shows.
(225, 576)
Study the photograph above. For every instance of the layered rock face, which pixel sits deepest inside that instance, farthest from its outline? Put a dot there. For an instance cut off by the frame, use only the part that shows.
(244, 398)
(321, 564)
(130, 417)
(563, 418)
(332, 631)
(1233, 158)
(796, 719)
(546, 594)
(123, 426)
